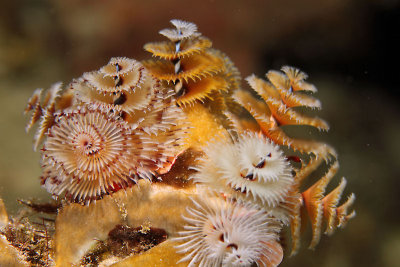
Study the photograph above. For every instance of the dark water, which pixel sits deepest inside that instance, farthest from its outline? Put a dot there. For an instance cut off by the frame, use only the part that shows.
(345, 46)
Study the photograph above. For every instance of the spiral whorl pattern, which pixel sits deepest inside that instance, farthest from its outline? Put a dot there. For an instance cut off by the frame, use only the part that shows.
(281, 95)
(88, 153)
(122, 125)
(122, 83)
(188, 62)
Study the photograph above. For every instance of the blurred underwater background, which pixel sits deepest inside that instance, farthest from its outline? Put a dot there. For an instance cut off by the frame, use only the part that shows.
(346, 46)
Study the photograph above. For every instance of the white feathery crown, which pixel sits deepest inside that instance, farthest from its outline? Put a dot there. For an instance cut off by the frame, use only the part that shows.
(228, 233)
(251, 169)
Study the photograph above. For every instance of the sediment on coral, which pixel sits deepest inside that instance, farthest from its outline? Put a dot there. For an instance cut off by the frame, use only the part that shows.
(123, 241)
(26, 238)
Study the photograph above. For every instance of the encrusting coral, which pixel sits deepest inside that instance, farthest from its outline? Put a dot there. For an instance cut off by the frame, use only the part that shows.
(170, 161)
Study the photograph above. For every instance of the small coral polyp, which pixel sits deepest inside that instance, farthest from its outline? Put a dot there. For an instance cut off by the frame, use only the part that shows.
(179, 125)
(250, 169)
(227, 233)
